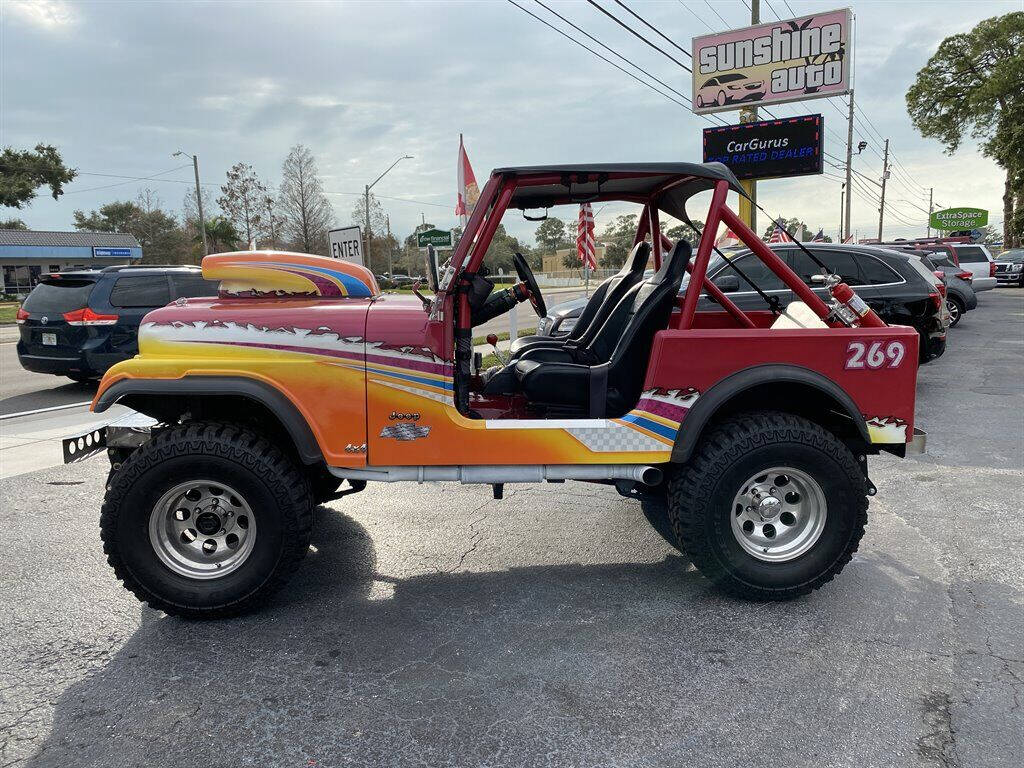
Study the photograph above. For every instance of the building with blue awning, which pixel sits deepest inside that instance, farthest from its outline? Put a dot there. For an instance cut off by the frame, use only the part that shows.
(27, 254)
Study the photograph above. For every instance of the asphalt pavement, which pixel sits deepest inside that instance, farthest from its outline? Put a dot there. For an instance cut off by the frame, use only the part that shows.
(436, 626)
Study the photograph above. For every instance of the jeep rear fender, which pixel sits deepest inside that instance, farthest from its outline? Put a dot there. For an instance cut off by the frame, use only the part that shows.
(167, 399)
(779, 387)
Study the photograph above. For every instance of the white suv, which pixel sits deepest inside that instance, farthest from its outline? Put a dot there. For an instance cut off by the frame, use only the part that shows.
(977, 260)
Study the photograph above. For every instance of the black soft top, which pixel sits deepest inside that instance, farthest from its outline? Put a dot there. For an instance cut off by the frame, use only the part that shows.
(583, 183)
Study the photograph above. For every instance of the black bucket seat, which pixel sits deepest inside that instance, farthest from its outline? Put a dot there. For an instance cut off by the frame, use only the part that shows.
(598, 307)
(605, 378)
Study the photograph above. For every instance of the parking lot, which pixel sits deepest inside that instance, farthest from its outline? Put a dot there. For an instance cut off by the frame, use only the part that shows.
(432, 625)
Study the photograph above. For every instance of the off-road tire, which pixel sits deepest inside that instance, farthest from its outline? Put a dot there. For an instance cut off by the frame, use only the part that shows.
(655, 509)
(701, 494)
(276, 489)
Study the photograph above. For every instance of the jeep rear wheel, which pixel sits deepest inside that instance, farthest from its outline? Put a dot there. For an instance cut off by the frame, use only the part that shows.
(771, 506)
(206, 520)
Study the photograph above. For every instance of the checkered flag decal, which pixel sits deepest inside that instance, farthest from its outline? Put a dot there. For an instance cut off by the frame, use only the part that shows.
(405, 431)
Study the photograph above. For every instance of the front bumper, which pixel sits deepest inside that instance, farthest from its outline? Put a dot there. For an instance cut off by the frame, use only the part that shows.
(983, 283)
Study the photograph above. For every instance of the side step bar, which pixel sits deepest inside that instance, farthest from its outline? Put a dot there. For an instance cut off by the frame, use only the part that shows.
(500, 473)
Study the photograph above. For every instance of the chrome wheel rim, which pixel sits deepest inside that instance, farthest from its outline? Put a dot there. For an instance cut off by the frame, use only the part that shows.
(954, 311)
(778, 514)
(202, 529)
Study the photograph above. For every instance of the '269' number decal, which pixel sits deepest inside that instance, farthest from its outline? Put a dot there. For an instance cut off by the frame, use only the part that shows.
(877, 355)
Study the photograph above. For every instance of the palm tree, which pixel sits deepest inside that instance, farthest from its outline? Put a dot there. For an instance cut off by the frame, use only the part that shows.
(220, 232)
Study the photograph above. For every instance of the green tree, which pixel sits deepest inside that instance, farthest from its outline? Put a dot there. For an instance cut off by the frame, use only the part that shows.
(551, 235)
(618, 239)
(377, 259)
(221, 233)
(22, 172)
(972, 85)
(243, 200)
(685, 232)
(163, 241)
(13, 224)
(792, 226)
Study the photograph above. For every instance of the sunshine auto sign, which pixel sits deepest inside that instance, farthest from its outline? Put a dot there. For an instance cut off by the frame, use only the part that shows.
(791, 60)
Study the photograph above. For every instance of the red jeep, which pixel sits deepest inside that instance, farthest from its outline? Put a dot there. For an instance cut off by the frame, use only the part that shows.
(744, 435)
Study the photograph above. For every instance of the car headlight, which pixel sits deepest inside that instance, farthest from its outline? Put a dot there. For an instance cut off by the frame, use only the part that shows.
(567, 325)
(1017, 267)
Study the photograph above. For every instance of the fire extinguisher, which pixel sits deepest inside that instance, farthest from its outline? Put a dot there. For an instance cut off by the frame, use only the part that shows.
(853, 309)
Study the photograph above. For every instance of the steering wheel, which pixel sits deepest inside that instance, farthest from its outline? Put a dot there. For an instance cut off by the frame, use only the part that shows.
(526, 275)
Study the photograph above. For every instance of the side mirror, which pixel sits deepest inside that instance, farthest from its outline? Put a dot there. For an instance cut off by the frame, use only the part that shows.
(431, 264)
(727, 283)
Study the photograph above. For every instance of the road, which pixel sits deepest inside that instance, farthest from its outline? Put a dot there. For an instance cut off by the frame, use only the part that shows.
(436, 626)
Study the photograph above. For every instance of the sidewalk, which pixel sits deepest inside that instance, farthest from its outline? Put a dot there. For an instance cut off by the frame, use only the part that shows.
(8, 334)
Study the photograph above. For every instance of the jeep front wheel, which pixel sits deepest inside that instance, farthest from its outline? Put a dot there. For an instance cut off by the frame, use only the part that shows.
(206, 520)
(771, 506)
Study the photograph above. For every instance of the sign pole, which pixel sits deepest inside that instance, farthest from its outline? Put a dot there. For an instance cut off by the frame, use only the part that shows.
(748, 209)
(931, 209)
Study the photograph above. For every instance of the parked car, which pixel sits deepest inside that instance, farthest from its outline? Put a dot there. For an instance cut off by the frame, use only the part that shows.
(974, 258)
(1010, 267)
(902, 290)
(960, 295)
(79, 323)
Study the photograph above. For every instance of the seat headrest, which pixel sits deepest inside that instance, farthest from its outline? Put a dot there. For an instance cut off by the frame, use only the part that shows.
(673, 265)
(637, 259)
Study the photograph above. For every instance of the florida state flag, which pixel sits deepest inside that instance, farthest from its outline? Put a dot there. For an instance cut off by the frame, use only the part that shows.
(468, 192)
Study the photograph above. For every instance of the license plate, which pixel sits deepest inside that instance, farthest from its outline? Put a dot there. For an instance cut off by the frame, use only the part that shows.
(50, 339)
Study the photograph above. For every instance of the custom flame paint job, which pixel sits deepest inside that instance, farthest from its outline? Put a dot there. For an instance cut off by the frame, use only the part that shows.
(283, 274)
(350, 358)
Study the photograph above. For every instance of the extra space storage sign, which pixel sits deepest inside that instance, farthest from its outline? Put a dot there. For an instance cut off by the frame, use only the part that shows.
(803, 58)
(768, 149)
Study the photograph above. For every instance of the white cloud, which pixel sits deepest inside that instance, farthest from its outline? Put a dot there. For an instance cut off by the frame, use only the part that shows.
(49, 15)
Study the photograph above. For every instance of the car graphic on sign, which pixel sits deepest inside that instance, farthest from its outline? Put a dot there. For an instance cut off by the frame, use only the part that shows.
(730, 89)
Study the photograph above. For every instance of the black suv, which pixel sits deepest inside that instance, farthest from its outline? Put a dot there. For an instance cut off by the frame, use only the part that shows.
(899, 288)
(78, 324)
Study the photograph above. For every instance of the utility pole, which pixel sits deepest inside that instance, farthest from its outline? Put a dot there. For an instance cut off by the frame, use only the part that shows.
(366, 236)
(842, 195)
(391, 269)
(748, 208)
(849, 166)
(885, 177)
(931, 208)
(199, 197)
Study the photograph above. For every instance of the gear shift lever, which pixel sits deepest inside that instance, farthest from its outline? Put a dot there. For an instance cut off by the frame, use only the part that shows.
(492, 339)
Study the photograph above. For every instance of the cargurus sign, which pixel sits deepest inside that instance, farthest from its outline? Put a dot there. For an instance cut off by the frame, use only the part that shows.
(803, 58)
(767, 149)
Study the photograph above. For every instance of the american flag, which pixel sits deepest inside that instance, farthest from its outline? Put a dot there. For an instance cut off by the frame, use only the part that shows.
(779, 234)
(585, 237)
(820, 237)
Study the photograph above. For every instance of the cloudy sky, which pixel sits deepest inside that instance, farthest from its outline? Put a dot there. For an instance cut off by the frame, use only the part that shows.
(119, 86)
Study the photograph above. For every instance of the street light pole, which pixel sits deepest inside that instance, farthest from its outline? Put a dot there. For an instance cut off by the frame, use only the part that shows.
(849, 166)
(199, 197)
(366, 202)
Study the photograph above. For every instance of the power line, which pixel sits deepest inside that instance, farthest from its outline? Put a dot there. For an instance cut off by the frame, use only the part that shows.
(640, 37)
(698, 18)
(654, 29)
(130, 179)
(591, 50)
(709, 5)
(777, 17)
(612, 51)
(790, 8)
